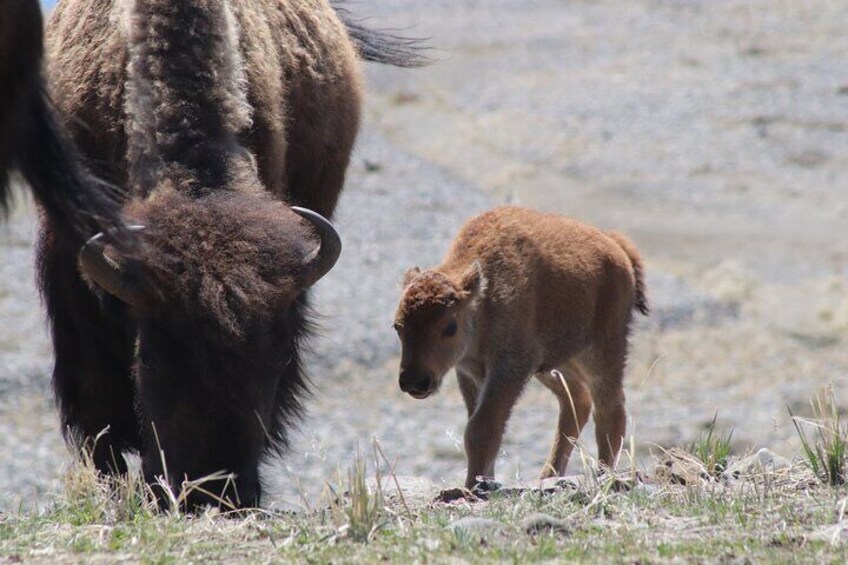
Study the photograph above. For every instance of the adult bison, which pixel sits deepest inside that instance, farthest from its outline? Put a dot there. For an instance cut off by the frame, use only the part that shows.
(214, 117)
(33, 142)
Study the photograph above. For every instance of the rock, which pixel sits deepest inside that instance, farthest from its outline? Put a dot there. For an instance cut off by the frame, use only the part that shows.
(571, 482)
(681, 467)
(835, 534)
(536, 524)
(477, 529)
(481, 491)
(449, 495)
(763, 461)
(770, 460)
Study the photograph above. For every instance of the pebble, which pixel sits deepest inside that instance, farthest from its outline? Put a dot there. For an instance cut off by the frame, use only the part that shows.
(536, 524)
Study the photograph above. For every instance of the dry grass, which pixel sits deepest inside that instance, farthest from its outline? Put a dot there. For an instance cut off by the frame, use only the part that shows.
(787, 514)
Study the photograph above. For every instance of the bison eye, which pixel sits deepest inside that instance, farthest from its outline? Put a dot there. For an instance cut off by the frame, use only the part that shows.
(450, 329)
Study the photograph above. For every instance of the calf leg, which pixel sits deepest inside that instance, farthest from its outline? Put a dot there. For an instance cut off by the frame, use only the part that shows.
(610, 426)
(486, 426)
(606, 384)
(575, 404)
(469, 389)
(93, 349)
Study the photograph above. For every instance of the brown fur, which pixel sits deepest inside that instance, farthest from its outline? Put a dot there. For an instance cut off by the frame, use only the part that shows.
(519, 294)
(213, 117)
(301, 81)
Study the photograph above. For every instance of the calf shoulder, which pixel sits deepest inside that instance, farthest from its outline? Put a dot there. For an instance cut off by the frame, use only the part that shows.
(503, 345)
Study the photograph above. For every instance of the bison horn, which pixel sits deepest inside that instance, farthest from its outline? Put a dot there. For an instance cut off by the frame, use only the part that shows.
(105, 272)
(319, 262)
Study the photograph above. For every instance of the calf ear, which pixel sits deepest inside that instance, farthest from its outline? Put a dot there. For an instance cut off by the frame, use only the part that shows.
(409, 275)
(474, 281)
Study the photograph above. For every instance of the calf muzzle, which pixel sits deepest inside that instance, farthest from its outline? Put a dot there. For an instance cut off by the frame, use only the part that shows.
(416, 384)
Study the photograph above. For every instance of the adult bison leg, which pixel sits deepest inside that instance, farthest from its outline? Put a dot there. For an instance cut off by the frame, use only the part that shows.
(93, 349)
(486, 426)
(575, 405)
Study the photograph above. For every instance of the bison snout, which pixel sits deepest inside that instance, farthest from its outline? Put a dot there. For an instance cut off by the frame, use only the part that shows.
(417, 385)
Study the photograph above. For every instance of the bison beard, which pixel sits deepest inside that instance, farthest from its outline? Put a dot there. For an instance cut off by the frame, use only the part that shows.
(188, 348)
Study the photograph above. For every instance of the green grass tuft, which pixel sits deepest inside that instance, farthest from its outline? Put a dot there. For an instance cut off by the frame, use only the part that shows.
(713, 448)
(826, 448)
(359, 511)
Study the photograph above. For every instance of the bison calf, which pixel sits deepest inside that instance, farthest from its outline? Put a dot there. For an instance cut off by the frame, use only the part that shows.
(520, 294)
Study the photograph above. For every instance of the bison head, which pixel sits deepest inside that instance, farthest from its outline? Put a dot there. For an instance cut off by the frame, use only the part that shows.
(434, 322)
(216, 290)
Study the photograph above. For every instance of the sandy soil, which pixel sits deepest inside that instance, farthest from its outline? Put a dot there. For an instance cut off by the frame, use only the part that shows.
(714, 133)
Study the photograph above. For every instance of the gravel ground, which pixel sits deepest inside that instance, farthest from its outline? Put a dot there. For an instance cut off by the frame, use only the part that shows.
(714, 133)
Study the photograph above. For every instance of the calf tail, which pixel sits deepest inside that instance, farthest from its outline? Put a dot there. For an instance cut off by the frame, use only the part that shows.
(641, 302)
(381, 46)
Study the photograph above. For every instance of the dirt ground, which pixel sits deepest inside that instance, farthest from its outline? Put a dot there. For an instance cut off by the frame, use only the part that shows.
(714, 133)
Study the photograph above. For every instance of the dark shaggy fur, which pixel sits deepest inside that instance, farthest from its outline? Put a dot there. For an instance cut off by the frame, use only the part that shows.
(250, 265)
(213, 116)
(31, 140)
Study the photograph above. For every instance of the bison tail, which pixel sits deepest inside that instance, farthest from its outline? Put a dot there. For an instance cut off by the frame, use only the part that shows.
(74, 200)
(641, 302)
(32, 140)
(382, 46)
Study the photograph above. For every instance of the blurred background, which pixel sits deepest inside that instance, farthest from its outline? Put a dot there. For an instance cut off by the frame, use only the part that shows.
(713, 132)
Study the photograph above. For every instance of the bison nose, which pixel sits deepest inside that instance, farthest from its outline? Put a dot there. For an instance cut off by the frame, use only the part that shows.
(416, 383)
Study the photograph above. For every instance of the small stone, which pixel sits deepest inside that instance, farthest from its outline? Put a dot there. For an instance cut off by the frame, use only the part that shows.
(571, 482)
(536, 524)
(450, 495)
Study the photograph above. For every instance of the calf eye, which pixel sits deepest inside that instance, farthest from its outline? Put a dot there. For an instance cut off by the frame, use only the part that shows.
(450, 329)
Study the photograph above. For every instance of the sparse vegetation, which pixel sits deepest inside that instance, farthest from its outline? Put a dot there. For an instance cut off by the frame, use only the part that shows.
(359, 511)
(786, 514)
(826, 448)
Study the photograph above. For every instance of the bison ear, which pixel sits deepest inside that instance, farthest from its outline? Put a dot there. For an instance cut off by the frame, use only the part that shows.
(409, 275)
(474, 281)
